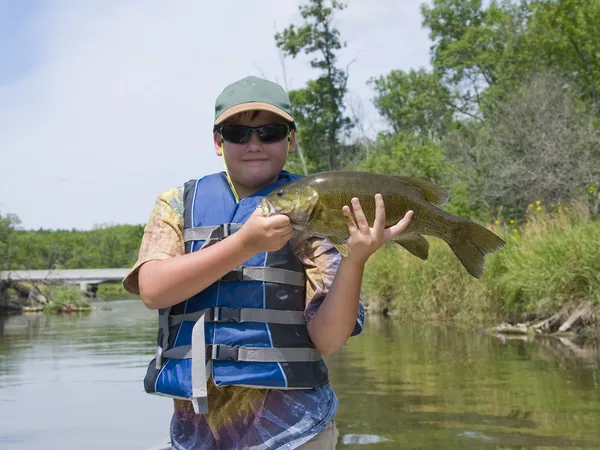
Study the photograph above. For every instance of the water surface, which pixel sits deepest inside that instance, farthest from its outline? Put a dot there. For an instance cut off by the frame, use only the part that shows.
(76, 382)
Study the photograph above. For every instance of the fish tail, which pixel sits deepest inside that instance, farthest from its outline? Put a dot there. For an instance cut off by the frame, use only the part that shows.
(471, 243)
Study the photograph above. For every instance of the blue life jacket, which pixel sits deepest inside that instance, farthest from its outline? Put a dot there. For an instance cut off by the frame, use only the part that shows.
(248, 328)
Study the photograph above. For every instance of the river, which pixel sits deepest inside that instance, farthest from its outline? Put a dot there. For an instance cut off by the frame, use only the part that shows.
(75, 382)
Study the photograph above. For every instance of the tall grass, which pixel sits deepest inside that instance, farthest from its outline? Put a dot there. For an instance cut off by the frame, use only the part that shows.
(549, 262)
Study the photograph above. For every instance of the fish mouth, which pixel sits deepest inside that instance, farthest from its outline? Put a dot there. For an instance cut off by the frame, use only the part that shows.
(267, 207)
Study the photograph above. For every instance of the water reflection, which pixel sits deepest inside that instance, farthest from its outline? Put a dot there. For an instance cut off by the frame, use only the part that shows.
(439, 387)
(75, 382)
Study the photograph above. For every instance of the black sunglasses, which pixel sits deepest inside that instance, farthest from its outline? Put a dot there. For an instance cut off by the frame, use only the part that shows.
(239, 134)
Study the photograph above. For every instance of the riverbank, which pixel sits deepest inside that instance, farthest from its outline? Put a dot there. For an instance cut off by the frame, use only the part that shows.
(549, 269)
(20, 298)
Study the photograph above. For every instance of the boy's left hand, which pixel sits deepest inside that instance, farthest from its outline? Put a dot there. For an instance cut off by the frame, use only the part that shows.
(364, 240)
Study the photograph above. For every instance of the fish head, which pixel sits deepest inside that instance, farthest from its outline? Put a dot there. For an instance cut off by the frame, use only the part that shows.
(295, 201)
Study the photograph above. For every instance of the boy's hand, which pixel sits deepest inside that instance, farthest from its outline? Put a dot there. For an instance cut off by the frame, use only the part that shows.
(266, 234)
(363, 240)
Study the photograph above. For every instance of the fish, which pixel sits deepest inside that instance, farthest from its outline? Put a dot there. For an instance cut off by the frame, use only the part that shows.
(314, 206)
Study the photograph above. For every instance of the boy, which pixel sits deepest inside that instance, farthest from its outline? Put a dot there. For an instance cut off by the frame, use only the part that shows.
(246, 294)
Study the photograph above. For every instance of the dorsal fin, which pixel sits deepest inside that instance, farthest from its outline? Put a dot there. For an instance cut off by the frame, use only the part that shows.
(431, 192)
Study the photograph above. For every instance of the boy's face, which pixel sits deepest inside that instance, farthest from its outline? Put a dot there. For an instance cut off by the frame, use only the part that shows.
(254, 164)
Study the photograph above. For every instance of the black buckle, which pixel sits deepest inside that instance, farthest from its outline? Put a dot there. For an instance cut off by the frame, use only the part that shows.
(223, 314)
(226, 353)
(235, 275)
(219, 232)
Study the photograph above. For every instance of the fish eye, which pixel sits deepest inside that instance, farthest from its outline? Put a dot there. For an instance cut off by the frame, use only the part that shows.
(279, 192)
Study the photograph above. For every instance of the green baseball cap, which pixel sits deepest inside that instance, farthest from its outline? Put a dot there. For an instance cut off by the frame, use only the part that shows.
(252, 93)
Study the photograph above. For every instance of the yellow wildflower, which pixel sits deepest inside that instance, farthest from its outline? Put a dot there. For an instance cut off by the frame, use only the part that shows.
(512, 221)
(531, 205)
(539, 208)
(591, 189)
(516, 230)
(497, 222)
(538, 202)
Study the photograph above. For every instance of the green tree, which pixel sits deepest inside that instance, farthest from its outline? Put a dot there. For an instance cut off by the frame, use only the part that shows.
(414, 102)
(537, 144)
(566, 35)
(8, 225)
(102, 247)
(478, 52)
(405, 154)
(319, 107)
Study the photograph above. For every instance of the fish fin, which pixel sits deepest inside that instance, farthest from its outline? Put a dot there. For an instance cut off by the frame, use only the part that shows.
(339, 244)
(431, 192)
(472, 243)
(417, 245)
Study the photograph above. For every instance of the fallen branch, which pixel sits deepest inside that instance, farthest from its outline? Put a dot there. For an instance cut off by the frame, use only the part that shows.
(579, 312)
(26, 292)
(547, 323)
(520, 328)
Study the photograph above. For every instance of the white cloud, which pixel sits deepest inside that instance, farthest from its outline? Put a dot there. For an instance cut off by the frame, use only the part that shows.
(120, 103)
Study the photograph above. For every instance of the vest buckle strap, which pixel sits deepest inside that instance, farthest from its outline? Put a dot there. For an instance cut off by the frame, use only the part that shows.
(236, 274)
(225, 352)
(223, 231)
(158, 357)
(227, 314)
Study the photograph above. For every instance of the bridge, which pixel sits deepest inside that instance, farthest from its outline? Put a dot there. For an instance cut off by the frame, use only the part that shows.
(87, 279)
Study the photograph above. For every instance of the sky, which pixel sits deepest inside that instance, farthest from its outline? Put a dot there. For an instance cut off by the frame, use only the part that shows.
(104, 104)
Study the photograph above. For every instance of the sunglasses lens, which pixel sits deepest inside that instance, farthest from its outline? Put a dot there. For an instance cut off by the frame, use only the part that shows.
(235, 133)
(272, 133)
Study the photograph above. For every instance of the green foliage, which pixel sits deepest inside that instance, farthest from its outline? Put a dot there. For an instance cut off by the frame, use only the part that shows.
(103, 247)
(537, 143)
(8, 225)
(566, 37)
(482, 52)
(406, 154)
(475, 49)
(547, 263)
(551, 265)
(318, 108)
(414, 102)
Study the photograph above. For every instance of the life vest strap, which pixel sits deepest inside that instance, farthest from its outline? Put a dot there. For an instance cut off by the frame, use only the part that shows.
(221, 352)
(224, 314)
(210, 233)
(268, 274)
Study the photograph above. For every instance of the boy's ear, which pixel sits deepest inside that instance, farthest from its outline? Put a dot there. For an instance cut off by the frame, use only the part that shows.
(218, 144)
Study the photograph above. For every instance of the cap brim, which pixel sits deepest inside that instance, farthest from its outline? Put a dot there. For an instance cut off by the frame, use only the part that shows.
(252, 106)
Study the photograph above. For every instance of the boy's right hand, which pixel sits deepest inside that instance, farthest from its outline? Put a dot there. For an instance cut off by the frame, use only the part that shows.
(266, 234)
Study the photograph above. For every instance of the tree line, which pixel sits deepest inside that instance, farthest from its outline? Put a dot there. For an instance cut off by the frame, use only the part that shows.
(104, 246)
(507, 116)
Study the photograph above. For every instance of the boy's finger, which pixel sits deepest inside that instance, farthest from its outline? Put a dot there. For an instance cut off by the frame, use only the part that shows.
(379, 224)
(395, 230)
(349, 219)
(279, 220)
(361, 220)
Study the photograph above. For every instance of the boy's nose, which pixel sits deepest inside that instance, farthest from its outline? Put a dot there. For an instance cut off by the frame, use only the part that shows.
(254, 142)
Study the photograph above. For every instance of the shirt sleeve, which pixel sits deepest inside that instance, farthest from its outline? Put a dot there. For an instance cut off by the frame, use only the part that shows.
(321, 261)
(163, 235)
